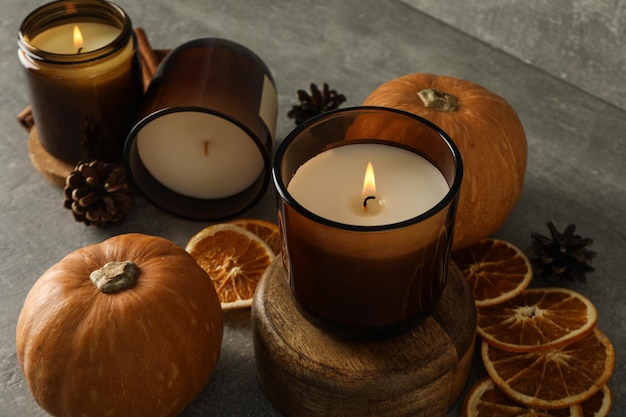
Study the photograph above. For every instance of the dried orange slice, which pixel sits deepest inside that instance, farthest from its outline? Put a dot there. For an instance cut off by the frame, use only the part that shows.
(537, 319)
(485, 399)
(496, 270)
(234, 258)
(556, 378)
(264, 229)
(599, 404)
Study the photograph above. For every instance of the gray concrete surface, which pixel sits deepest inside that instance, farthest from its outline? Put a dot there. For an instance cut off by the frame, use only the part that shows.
(575, 173)
(579, 41)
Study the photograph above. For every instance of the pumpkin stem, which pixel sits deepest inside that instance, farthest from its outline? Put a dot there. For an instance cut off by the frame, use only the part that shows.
(438, 100)
(115, 276)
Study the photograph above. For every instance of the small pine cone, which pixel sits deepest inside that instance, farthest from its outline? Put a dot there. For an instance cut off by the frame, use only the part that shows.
(565, 255)
(316, 103)
(98, 193)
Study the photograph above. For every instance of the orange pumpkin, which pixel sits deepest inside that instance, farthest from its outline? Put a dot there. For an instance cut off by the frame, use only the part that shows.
(131, 326)
(489, 135)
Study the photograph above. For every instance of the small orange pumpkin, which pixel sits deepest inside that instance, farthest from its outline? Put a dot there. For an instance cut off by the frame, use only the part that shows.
(489, 135)
(131, 326)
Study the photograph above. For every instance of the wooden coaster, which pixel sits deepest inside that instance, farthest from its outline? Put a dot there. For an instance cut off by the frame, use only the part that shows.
(305, 371)
(53, 169)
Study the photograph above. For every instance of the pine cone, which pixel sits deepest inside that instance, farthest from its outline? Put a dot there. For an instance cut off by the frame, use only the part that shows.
(565, 255)
(316, 103)
(98, 193)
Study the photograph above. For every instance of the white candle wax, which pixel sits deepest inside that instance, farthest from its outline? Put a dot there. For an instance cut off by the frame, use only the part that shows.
(330, 184)
(60, 39)
(199, 155)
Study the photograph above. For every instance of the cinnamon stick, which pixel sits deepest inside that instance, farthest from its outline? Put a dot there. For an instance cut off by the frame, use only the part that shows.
(150, 60)
(146, 76)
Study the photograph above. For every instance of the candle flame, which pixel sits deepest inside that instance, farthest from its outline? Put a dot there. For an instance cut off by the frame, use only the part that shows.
(78, 39)
(369, 182)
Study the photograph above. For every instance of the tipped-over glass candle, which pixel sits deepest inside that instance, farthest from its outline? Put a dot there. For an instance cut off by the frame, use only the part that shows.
(202, 145)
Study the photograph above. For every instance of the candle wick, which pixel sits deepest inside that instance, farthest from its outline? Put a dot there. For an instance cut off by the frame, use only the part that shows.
(206, 148)
(369, 197)
(80, 50)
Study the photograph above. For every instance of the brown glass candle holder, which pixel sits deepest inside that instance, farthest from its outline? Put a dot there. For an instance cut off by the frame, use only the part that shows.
(390, 271)
(84, 77)
(203, 143)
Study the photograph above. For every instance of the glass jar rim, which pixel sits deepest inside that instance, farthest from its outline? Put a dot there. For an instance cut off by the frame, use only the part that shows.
(194, 208)
(281, 186)
(60, 12)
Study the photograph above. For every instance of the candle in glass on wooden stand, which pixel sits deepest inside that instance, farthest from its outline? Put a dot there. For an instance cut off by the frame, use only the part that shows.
(380, 322)
(84, 77)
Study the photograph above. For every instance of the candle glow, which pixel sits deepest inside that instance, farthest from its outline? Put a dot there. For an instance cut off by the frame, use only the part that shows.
(78, 39)
(369, 182)
(75, 38)
(369, 192)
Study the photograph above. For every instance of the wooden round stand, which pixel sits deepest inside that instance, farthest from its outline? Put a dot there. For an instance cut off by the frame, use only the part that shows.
(305, 371)
(53, 169)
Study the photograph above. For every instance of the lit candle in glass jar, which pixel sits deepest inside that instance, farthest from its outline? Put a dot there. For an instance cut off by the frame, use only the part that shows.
(366, 254)
(84, 76)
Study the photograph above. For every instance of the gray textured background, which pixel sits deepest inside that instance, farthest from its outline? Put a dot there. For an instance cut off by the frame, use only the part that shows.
(580, 41)
(576, 140)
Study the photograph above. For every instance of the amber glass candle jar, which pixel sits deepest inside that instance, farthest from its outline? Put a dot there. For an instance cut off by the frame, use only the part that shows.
(84, 77)
(359, 257)
(202, 146)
